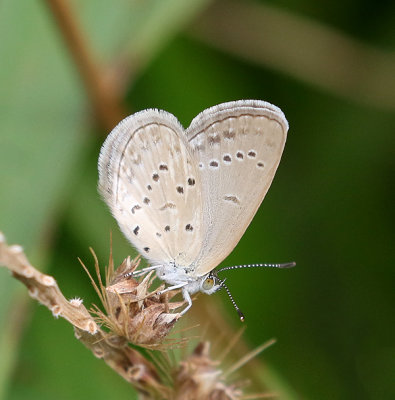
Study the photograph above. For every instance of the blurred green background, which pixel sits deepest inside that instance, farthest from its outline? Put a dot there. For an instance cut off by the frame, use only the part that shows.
(330, 66)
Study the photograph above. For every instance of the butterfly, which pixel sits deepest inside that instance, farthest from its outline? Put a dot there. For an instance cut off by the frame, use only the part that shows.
(184, 197)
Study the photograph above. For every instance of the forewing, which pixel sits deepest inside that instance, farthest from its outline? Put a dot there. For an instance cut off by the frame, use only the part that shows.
(149, 179)
(238, 146)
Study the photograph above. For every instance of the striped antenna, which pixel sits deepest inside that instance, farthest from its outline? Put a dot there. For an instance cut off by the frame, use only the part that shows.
(285, 265)
(241, 315)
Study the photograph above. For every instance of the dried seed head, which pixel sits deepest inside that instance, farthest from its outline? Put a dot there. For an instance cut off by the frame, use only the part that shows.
(141, 316)
(199, 378)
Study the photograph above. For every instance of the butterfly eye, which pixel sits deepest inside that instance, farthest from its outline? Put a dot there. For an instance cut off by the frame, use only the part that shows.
(208, 284)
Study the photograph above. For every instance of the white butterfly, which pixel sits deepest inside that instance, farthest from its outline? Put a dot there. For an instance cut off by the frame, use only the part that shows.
(184, 198)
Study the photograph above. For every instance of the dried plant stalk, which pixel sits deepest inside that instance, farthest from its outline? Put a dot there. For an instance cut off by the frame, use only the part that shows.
(127, 362)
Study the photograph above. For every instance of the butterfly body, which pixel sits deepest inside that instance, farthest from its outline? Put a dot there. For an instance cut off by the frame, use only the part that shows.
(184, 198)
(175, 276)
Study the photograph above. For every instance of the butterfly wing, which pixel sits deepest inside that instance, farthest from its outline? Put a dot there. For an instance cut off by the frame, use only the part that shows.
(149, 179)
(238, 146)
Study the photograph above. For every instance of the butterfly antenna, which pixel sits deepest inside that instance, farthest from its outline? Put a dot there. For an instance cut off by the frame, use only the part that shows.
(285, 265)
(241, 315)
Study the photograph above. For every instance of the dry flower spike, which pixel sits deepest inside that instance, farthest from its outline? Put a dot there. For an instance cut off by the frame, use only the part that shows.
(133, 315)
(133, 312)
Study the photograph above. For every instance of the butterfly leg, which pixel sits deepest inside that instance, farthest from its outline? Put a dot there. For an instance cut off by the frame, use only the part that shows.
(173, 288)
(187, 297)
(185, 294)
(142, 271)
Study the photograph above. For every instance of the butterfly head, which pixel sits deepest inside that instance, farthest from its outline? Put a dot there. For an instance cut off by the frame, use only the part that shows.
(211, 283)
